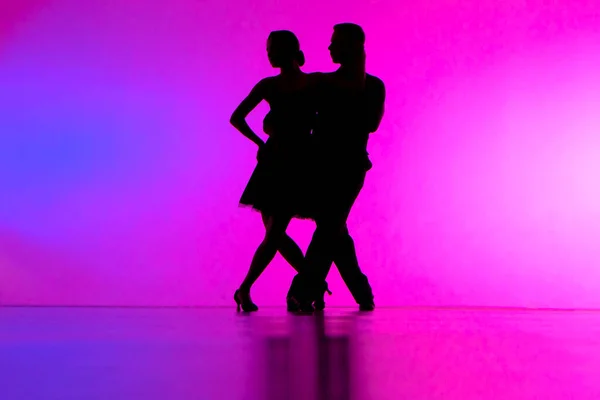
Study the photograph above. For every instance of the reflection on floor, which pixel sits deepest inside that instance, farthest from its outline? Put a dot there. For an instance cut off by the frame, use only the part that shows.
(114, 354)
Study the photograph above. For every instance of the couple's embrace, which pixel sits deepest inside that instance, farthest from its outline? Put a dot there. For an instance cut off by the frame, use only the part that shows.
(313, 164)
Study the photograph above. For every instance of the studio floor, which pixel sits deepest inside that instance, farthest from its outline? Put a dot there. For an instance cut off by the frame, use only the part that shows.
(215, 353)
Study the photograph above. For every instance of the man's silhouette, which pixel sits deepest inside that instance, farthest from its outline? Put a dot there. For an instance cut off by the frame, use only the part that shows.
(350, 105)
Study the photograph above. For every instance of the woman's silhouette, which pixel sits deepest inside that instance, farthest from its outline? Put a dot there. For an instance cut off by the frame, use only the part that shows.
(277, 183)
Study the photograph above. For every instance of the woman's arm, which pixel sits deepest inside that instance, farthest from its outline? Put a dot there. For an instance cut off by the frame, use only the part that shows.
(238, 118)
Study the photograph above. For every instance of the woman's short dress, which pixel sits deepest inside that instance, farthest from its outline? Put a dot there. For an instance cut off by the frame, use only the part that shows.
(280, 182)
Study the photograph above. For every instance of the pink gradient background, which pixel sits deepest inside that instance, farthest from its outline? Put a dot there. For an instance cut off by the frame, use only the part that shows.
(120, 175)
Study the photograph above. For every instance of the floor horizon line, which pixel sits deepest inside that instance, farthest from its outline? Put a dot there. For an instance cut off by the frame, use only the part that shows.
(407, 307)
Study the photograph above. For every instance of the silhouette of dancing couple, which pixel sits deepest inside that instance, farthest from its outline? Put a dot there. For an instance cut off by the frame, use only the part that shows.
(313, 164)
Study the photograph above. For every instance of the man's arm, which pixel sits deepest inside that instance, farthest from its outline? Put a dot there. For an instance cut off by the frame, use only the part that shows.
(375, 104)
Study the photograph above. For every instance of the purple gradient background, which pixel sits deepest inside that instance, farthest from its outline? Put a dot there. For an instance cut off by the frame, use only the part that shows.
(120, 174)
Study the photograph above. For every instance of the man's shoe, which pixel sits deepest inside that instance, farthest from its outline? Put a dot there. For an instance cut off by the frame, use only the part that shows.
(294, 305)
(367, 306)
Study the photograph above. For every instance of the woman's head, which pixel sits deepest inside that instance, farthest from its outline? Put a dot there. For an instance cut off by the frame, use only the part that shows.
(283, 49)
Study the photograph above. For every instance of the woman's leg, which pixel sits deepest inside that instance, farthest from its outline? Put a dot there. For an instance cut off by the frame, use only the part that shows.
(288, 249)
(275, 232)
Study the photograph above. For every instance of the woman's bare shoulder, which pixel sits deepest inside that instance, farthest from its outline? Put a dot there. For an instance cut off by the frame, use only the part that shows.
(268, 81)
(265, 86)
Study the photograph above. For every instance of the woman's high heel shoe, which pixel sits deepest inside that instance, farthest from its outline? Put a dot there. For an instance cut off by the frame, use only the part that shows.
(243, 301)
(320, 303)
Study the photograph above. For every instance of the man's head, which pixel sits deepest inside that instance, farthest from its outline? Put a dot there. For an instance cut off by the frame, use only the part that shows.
(347, 43)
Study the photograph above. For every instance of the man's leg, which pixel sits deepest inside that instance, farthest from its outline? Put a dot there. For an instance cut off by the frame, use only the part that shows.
(344, 257)
(347, 263)
(330, 241)
(310, 283)
(344, 254)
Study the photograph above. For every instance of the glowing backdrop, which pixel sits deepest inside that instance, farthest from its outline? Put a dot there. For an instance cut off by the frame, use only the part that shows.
(120, 174)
